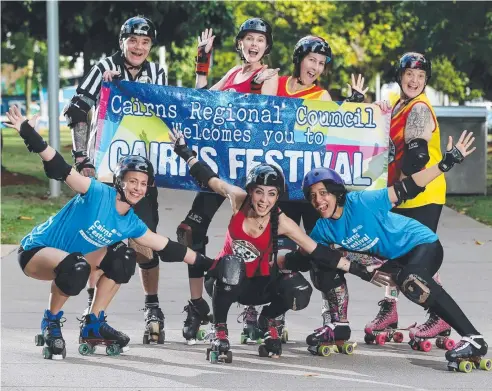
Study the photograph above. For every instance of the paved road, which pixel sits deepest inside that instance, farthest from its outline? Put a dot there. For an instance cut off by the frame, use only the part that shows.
(466, 273)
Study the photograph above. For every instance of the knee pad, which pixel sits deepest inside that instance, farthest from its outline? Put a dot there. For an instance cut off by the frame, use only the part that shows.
(119, 263)
(325, 280)
(230, 270)
(295, 290)
(72, 274)
(154, 262)
(418, 289)
(195, 272)
(192, 235)
(297, 262)
(209, 284)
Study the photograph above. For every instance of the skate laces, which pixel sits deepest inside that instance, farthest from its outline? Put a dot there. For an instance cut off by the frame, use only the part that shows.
(466, 341)
(221, 332)
(55, 325)
(386, 307)
(153, 314)
(429, 323)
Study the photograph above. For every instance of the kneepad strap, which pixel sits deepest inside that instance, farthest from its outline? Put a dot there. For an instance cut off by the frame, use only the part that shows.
(119, 263)
(154, 262)
(57, 168)
(72, 274)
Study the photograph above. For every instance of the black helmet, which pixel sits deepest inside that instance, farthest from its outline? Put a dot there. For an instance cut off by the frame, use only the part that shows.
(138, 25)
(413, 60)
(132, 163)
(266, 175)
(311, 44)
(256, 25)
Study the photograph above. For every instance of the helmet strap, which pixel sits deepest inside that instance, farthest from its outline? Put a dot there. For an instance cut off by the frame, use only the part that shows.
(121, 191)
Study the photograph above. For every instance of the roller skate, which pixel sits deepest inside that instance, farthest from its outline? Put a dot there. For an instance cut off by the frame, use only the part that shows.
(51, 336)
(468, 354)
(197, 315)
(251, 333)
(282, 328)
(434, 327)
(154, 326)
(271, 341)
(331, 338)
(383, 328)
(96, 331)
(219, 346)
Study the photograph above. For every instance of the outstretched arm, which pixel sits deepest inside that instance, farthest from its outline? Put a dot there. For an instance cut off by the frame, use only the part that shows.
(55, 166)
(413, 185)
(203, 174)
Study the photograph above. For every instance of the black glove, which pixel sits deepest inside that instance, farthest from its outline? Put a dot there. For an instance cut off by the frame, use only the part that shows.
(450, 158)
(360, 271)
(183, 151)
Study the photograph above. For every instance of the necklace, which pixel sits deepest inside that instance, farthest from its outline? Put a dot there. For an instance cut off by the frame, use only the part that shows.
(260, 224)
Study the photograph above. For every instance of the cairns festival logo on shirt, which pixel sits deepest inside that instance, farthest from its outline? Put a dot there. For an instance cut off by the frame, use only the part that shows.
(98, 235)
(359, 241)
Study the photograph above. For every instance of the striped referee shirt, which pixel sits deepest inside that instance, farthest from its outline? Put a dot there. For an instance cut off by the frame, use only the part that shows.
(90, 87)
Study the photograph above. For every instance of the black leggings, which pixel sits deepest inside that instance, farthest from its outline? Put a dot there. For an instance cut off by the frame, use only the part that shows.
(251, 291)
(421, 263)
(428, 214)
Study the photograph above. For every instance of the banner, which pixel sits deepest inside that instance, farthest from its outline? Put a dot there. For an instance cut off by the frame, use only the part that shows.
(233, 132)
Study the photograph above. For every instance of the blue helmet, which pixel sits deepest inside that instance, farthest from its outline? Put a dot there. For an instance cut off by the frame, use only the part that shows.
(330, 178)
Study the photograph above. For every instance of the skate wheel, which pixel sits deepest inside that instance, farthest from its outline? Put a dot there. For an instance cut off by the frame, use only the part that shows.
(486, 364)
(208, 354)
(369, 339)
(425, 346)
(64, 353)
(285, 336)
(200, 335)
(413, 344)
(85, 349)
(398, 337)
(146, 339)
(213, 357)
(262, 351)
(448, 344)
(161, 338)
(324, 351)
(381, 339)
(39, 340)
(465, 366)
(112, 350)
(228, 358)
(347, 348)
(243, 339)
(47, 353)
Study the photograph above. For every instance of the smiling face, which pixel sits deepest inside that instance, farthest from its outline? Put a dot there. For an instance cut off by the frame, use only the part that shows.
(413, 82)
(263, 198)
(312, 66)
(136, 48)
(134, 186)
(322, 200)
(253, 46)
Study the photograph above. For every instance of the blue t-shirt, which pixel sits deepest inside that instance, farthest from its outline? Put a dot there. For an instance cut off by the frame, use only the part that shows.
(86, 223)
(368, 226)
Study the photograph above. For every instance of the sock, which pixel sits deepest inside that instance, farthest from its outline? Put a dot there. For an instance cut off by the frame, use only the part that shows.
(90, 291)
(196, 301)
(151, 301)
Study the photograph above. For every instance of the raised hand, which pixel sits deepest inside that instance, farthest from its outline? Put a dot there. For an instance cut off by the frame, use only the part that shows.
(265, 74)
(358, 85)
(458, 152)
(384, 105)
(206, 40)
(16, 118)
(180, 147)
(109, 75)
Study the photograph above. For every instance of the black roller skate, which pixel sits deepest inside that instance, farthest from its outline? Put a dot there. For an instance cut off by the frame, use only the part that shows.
(197, 314)
(282, 328)
(251, 333)
(331, 338)
(272, 343)
(219, 346)
(154, 326)
(468, 354)
(51, 336)
(96, 331)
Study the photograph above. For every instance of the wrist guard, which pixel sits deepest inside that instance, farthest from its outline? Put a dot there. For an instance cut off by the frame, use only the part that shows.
(255, 86)
(360, 271)
(34, 142)
(184, 152)
(202, 61)
(356, 97)
(450, 158)
(202, 173)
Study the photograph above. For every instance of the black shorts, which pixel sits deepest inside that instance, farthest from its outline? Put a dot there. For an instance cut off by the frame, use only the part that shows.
(428, 214)
(24, 256)
(147, 209)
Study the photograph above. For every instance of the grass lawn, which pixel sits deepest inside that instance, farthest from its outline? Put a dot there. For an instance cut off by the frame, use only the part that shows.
(27, 203)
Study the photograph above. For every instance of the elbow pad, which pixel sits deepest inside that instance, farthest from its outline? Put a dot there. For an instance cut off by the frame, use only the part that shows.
(326, 256)
(202, 173)
(406, 190)
(297, 262)
(57, 168)
(415, 156)
(173, 252)
(76, 111)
